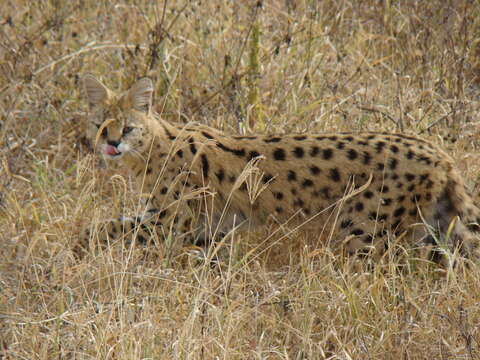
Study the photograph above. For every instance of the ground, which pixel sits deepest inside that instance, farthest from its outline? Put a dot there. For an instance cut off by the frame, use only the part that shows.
(243, 67)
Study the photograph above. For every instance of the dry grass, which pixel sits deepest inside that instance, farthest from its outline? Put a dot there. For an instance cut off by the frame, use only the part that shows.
(410, 66)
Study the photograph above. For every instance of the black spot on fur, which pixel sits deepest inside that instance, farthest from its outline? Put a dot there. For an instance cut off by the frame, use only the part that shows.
(423, 177)
(410, 155)
(278, 209)
(141, 239)
(298, 202)
(359, 206)
(386, 201)
(205, 166)
(352, 154)
(314, 151)
(379, 146)
(273, 140)
(326, 192)
(368, 194)
(392, 163)
(425, 159)
(394, 148)
(340, 145)
(335, 174)
(366, 158)
(279, 154)
(380, 166)
(237, 152)
(315, 170)
(298, 152)
(278, 195)
(291, 175)
(409, 177)
(357, 232)
(180, 154)
(384, 189)
(307, 183)
(252, 155)
(220, 174)
(300, 137)
(207, 135)
(267, 178)
(169, 134)
(399, 212)
(245, 137)
(232, 178)
(327, 154)
(346, 223)
(193, 148)
(164, 190)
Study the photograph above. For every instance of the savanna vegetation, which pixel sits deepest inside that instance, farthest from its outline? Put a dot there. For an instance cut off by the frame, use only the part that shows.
(242, 66)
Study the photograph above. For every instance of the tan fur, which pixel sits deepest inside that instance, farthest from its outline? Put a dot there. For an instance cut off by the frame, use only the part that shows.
(361, 187)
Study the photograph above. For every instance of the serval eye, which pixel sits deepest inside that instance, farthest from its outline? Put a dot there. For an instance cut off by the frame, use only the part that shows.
(126, 130)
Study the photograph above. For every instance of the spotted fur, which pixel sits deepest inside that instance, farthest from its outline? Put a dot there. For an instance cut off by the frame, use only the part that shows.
(361, 187)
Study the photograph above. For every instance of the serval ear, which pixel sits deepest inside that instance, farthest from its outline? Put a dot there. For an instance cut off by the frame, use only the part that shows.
(96, 92)
(141, 94)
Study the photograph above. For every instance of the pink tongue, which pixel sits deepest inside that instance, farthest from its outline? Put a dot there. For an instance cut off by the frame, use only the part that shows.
(111, 150)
